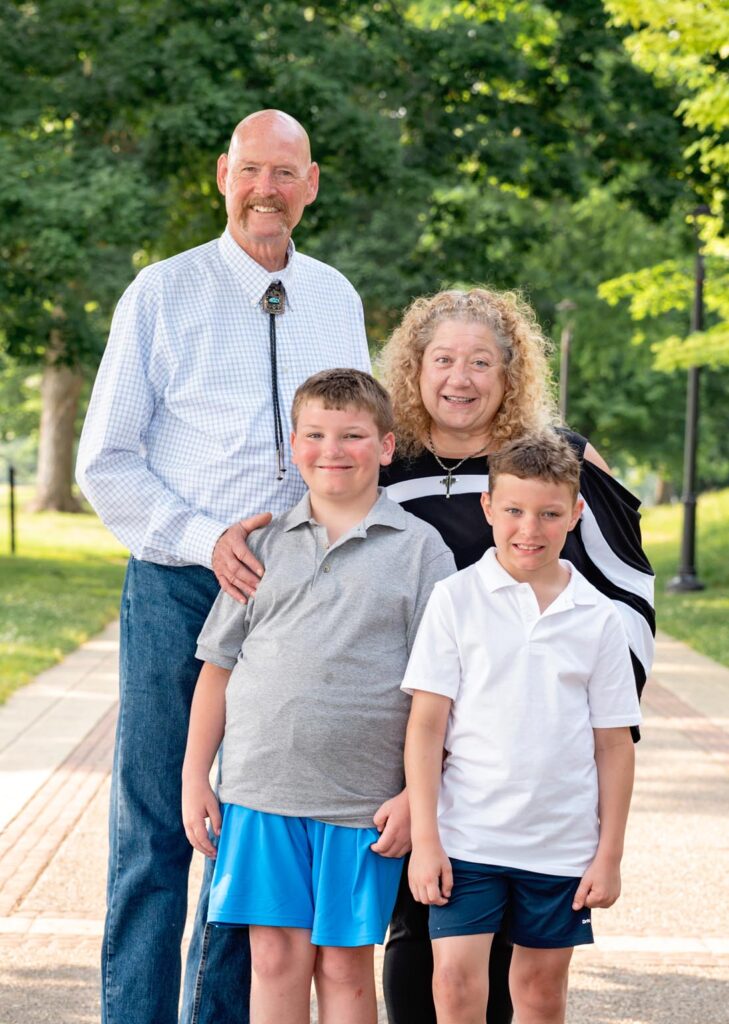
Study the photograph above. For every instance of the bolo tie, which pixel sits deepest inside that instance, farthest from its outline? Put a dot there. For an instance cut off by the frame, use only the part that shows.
(273, 303)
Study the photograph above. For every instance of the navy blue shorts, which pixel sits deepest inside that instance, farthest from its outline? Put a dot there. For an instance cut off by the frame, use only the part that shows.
(535, 908)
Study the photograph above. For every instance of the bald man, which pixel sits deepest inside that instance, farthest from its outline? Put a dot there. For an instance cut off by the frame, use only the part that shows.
(186, 435)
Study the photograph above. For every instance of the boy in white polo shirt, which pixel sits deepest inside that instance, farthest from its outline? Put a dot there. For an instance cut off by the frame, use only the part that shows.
(522, 671)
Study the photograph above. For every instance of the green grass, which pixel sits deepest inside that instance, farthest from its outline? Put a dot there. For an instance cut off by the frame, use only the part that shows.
(700, 619)
(60, 588)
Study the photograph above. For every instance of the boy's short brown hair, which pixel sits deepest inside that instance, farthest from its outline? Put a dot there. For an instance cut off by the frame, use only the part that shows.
(543, 456)
(336, 389)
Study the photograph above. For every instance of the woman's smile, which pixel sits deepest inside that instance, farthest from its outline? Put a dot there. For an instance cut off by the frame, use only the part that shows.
(462, 378)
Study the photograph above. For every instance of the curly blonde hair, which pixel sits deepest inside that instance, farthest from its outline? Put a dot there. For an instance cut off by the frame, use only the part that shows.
(528, 404)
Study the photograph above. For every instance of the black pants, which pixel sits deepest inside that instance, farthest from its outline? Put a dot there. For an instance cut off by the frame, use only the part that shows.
(408, 975)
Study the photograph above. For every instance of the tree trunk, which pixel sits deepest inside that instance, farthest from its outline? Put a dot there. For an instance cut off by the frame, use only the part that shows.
(60, 390)
(665, 491)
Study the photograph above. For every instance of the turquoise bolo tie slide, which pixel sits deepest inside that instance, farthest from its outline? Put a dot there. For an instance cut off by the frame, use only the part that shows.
(274, 300)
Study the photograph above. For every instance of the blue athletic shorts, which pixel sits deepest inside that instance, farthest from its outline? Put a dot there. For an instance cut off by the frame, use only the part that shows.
(300, 873)
(536, 908)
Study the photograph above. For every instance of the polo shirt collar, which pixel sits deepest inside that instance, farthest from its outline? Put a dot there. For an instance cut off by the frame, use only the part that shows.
(254, 278)
(495, 576)
(300, 513)
(384, 512)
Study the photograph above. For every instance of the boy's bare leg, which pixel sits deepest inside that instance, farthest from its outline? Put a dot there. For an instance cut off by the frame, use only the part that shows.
(460, 978)
(282, 965)
(345, 985)
(538, 981)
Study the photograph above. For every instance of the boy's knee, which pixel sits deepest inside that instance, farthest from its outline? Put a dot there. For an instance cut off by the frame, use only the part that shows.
(540, 991)
(456, 987)
(343, 965)
(273, 953)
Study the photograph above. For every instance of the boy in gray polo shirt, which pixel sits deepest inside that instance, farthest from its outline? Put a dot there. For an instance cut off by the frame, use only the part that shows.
(304, 681)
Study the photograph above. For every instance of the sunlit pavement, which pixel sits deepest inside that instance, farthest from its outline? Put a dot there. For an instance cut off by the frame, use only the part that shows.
(662, 953)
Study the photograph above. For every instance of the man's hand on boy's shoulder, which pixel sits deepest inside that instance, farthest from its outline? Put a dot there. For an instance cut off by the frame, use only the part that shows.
(237, 569)
(392, 821)
(430, 874)
(600, 884)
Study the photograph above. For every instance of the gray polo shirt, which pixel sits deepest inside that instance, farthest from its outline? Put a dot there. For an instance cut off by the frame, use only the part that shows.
(315, 718)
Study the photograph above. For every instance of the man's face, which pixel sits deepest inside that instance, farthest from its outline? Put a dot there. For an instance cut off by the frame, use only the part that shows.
(267, 179)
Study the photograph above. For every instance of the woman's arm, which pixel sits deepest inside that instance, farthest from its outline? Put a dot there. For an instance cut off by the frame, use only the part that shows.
(430, 874)
(594, 456)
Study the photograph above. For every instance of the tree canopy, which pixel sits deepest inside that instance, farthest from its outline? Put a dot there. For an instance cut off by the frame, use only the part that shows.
(449, 123)
(458, 142)
(686, 45)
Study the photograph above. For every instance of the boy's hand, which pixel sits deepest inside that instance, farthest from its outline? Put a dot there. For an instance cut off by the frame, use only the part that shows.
(237, 569)
(430, 874)
(600, 885)
(198, 803)
(392, 821)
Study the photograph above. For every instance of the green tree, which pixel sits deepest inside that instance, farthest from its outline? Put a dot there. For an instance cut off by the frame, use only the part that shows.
(685, 45)
(19, 414)
(74, 200)
(445, 135)
(632, 412)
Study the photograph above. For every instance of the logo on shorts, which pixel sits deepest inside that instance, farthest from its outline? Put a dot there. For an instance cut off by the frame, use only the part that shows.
(585, 920)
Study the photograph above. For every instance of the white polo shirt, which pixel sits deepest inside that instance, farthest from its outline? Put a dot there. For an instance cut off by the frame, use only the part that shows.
(519, 785)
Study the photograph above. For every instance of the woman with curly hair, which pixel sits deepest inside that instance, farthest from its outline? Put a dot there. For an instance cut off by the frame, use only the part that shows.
(468, 371)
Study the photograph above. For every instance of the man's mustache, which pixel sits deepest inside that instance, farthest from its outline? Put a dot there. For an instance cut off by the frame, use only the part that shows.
(273, 204)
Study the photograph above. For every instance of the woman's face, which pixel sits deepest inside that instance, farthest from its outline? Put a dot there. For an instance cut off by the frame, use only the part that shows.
(462, 378)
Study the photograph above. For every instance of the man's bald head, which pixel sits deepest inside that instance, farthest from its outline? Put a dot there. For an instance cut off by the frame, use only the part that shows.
(267, 177)
(277, 121)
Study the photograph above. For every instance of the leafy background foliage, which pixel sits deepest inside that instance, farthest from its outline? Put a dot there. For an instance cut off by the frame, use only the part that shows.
(522, 144)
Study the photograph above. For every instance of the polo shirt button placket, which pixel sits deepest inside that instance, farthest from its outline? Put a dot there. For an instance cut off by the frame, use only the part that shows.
(326, 567)
(528, 609)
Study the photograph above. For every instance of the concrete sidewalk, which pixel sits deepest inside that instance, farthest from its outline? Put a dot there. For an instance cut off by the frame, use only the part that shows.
(662, 953)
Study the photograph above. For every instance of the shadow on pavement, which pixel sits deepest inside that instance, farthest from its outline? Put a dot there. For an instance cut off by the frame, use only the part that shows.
(46, 993)
(650, 994)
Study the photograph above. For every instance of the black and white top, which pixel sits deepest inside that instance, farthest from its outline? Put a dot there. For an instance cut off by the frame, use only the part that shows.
(605, 545)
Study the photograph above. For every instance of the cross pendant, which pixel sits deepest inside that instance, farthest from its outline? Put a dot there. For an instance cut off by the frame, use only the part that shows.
(448, 482)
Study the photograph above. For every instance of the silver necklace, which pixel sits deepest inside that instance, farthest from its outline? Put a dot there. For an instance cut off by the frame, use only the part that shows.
(448, 480)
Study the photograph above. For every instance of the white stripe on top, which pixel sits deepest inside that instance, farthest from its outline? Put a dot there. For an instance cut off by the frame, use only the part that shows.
(602, 555)
(425, 486)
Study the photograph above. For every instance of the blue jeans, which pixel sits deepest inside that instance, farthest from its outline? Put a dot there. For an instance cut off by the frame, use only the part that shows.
(162, 611)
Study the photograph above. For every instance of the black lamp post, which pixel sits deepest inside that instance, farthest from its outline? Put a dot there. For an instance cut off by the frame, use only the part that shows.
(11, 488)
(686, 579)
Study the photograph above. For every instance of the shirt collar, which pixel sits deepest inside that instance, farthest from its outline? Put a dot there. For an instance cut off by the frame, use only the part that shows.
(495, 576)
(384, 512)
(254, 278)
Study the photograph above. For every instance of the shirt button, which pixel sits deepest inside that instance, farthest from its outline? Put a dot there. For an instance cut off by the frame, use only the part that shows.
(325, 568)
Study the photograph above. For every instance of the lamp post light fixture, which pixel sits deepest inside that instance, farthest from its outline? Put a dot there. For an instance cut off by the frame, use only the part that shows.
(687, 579)
(565, 306)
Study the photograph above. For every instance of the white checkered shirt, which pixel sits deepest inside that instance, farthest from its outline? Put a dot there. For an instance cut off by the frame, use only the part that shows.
(178, 441)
